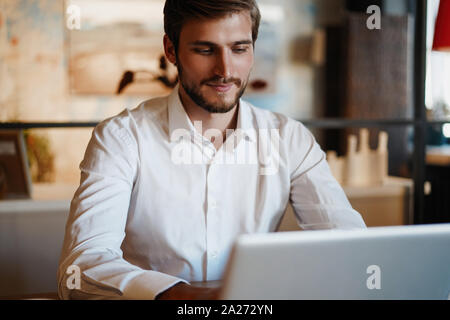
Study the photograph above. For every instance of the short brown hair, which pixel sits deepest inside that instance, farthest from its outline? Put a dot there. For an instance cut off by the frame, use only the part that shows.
(178, 12)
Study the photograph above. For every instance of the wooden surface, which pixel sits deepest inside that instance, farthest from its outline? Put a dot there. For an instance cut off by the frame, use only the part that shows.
(207, 284)
(438, 156)
(37, 296)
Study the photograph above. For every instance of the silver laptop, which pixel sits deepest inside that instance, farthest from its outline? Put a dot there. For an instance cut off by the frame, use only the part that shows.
(406, 262)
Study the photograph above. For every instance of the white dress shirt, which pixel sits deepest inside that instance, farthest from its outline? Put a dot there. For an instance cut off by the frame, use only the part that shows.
(156, 206)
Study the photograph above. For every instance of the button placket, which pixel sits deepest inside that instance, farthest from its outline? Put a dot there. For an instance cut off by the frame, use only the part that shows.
(212, 205)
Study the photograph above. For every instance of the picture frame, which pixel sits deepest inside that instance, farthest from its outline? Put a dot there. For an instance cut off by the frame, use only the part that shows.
(15, 178)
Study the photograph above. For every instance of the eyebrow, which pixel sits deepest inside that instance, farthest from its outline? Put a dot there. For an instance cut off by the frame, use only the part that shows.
(212, 44)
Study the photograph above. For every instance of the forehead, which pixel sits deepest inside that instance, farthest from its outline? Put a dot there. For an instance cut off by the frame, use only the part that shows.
(223, 30)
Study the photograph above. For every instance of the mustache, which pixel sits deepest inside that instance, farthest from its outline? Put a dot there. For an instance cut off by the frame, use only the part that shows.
(219, 80)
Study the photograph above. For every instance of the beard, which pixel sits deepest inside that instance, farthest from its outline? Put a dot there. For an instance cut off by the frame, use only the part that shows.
(194, 92)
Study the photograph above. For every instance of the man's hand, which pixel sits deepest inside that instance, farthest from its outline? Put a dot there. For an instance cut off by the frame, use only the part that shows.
(183, 291)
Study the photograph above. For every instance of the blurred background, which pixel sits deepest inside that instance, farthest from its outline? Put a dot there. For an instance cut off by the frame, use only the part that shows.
(370, 79)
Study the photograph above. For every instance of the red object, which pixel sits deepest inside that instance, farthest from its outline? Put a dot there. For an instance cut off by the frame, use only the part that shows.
(442, 28)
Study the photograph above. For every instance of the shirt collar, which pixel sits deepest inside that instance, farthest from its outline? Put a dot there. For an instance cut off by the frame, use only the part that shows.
(178, 118)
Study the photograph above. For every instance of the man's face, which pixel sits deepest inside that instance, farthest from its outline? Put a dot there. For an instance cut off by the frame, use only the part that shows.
(214, 60)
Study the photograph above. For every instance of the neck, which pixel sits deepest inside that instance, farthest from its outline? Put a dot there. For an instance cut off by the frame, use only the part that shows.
(218, 121)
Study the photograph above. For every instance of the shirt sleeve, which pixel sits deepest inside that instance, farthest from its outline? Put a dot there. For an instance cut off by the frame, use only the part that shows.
(319, 202)
(97, 222)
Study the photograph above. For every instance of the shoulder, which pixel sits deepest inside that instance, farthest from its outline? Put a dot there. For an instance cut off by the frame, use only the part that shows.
(126, 125)
(149, 110)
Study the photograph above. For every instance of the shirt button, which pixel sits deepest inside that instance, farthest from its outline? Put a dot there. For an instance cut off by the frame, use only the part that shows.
(213, 204)
(214, 254)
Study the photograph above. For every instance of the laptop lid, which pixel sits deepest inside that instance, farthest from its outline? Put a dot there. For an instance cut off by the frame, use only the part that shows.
(404, 262)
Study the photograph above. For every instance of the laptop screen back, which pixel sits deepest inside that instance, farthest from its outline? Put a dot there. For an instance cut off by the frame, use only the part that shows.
(407, 262)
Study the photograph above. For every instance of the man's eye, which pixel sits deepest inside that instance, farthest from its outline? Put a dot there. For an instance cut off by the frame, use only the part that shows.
(240, 50)
(204, 51)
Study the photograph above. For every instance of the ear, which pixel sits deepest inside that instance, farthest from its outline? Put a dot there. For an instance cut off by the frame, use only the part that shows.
(169, 50)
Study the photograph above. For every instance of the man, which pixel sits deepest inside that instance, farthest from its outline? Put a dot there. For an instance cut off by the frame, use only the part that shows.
(158, 207)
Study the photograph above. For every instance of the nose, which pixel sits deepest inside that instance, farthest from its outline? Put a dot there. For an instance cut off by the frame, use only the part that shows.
(223, 65)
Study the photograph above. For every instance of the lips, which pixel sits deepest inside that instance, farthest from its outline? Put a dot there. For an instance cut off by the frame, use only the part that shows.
(221, 87)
